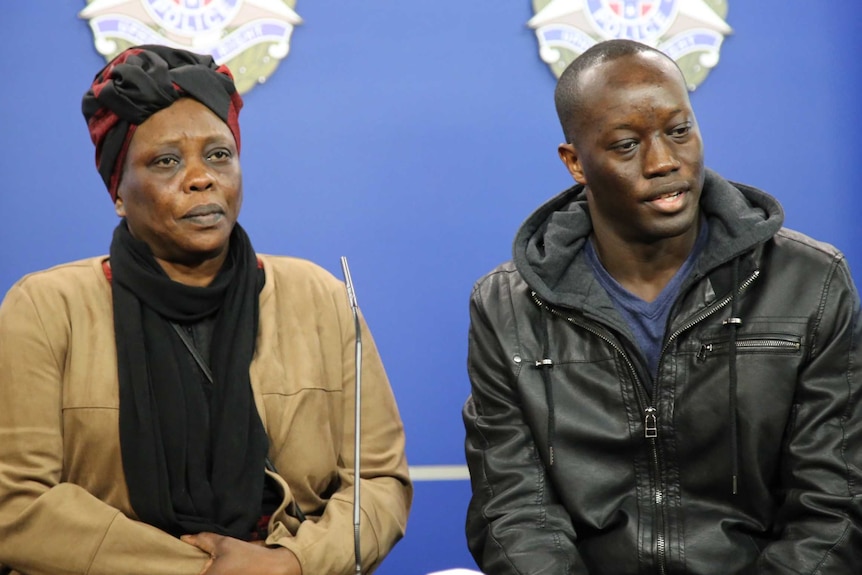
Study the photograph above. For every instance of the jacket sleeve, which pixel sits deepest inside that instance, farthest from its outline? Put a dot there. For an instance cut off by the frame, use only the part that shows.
(48, 526)
(326, 544)
(515, 524)
(819, 523)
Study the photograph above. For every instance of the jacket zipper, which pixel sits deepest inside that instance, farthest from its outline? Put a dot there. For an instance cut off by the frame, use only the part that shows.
(661, 546)
(651, 433)
(650, 412)
(774, 344)
(650, 427)
(707, 312)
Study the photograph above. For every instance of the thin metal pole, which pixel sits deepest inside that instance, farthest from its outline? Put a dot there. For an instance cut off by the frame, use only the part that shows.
(351, 296)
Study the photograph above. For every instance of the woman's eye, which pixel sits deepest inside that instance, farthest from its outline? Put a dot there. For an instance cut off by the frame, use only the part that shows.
(220, 155)
(681, 130)
(165, 161)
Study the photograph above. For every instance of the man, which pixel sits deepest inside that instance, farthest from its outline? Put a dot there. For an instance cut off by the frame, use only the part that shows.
(664, 380)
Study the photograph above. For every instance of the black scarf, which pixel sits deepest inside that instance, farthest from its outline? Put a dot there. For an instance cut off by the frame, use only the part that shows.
(191, 465)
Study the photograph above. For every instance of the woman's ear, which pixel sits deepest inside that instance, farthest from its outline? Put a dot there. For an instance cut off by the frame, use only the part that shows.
(120, 207)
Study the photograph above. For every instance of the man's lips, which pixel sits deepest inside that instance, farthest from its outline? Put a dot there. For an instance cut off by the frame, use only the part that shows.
(670, 198)
(668, 192)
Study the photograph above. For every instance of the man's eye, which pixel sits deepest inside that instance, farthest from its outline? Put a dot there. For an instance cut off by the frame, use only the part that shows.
(626, 146)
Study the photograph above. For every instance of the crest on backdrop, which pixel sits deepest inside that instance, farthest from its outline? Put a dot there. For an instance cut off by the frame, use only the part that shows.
(250, 36)
(689, 31)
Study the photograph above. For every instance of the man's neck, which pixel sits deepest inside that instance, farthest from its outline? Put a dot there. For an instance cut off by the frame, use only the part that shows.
(643, 269)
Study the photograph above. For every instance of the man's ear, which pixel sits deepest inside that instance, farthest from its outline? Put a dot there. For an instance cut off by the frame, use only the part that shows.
(571, 159)
(120, 207)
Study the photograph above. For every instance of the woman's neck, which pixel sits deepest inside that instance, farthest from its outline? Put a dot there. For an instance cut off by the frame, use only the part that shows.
(198, 274)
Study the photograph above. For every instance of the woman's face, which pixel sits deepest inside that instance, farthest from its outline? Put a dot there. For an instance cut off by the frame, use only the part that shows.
(181, 186)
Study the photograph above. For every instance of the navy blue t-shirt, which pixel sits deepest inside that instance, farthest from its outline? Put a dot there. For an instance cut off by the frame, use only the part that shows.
(647, 320)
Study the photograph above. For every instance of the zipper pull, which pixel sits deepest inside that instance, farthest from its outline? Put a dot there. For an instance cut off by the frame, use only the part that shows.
(650, 423)
(704, 349)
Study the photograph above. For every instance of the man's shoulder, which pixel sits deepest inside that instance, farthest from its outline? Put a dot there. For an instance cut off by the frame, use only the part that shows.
(505, 272)
(502, 283)
(806, 246)
(798, 258)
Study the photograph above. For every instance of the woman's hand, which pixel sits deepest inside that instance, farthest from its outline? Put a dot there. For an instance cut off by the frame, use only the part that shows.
(229, 556)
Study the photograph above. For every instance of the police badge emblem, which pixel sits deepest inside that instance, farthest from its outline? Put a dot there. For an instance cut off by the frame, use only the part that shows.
(250, 36)
(689, 31)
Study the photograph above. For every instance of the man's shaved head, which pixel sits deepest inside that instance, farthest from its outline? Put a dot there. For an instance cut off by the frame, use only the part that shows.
(568, 96)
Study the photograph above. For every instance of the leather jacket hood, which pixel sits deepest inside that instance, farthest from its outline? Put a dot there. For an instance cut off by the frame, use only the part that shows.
(548, 245)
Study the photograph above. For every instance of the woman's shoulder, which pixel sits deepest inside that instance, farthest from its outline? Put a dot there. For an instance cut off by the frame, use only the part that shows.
(292, 281)
(293, 269)
(81, 276)
(57, 296)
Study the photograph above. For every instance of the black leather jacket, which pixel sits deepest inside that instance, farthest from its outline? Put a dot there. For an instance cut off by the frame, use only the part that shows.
(582, 462)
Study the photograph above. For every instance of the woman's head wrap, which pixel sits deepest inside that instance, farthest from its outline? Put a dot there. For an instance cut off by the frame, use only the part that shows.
(141, 81)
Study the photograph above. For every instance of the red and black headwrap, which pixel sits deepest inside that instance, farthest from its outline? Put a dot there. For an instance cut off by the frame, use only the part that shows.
(141, 81)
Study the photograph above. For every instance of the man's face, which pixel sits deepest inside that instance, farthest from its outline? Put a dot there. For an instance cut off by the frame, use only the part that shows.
(638, 150)
(181, 187)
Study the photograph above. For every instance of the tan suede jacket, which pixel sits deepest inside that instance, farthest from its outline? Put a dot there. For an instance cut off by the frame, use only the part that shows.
(64, 505)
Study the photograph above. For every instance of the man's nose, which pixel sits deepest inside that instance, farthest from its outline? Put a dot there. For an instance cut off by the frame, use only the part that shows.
(659, 158)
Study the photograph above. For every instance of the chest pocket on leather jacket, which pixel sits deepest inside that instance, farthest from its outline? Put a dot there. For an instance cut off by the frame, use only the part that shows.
(770, 343)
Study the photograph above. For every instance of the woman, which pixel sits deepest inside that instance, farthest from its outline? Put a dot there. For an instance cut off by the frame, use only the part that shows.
(185, 405)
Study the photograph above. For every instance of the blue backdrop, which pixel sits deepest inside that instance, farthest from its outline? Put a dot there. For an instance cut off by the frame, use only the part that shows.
(414, 137)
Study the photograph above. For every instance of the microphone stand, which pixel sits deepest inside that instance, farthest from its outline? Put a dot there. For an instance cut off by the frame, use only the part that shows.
(351, 297)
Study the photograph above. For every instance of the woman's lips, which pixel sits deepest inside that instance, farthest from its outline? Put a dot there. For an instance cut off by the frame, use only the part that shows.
(205, 215)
